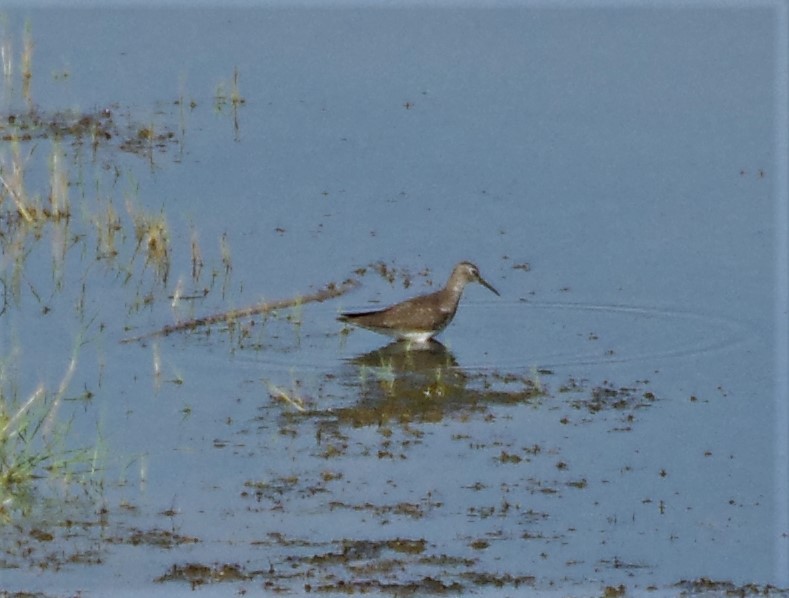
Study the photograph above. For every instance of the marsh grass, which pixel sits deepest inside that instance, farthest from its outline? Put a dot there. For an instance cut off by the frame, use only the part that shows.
(108, 227)
(227, 262)
(68, 187)
(231, 98)
(58, 212)
(33, 439)
(27, 64)
(196, 257)
(13, 181)
(153, 239)
(6, 56)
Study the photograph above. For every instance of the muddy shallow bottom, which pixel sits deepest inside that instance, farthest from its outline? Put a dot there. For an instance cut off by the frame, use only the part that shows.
(400, 471)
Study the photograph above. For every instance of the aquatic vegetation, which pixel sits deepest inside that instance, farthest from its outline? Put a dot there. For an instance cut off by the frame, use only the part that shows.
(43, 203)
(223, 97)
(197, 257)
(33, 440)
(233, 98)
(153, 239)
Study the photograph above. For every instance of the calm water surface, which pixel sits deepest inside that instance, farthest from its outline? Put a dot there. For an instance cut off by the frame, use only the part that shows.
(609, 420)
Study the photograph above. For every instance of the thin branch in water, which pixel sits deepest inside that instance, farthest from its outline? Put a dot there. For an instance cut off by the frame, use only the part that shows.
(329, 292)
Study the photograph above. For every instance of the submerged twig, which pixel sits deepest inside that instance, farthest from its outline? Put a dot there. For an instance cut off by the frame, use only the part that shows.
(290, 398)
(329, 292)
(20, 204)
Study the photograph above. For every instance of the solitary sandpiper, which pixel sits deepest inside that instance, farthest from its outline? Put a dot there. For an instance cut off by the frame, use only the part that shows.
(423, 317)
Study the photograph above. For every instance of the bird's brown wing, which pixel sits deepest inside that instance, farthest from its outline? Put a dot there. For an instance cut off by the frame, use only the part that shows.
(419, 313)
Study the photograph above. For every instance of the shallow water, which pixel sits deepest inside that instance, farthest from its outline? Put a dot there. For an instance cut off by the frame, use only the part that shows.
(610, 420)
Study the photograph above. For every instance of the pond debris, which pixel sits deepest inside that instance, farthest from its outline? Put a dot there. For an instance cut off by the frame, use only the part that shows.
(103, 127)
(706, 586)
(607, 396)
(198, 574)
(156, 537)
(330, 291)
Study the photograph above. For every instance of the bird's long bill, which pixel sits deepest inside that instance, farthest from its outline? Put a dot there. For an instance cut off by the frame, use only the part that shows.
(486, 284)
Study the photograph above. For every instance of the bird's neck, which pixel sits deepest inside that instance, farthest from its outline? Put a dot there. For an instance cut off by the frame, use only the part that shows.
(450, 297)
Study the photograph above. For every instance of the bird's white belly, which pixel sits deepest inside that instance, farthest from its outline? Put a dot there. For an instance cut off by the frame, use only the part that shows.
(416, 337)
